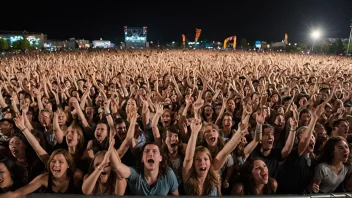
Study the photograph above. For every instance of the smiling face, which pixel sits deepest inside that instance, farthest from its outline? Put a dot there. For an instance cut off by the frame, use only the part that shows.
(268, 138)
(59, 166)
(166, 119)
(5, 177)
(151, 157)
(260, 172)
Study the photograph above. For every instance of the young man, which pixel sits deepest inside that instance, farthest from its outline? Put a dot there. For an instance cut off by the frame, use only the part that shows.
(154, 178)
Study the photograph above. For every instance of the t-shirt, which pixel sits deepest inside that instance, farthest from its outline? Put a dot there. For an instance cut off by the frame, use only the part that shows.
(295, 174)
(271, 161)
(139, 186)
(329, 181)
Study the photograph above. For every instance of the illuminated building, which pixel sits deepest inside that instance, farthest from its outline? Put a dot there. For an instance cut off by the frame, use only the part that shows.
(35, 39)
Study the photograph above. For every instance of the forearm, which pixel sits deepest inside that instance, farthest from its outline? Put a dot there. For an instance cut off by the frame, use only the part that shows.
(90, 182)
(289, 144)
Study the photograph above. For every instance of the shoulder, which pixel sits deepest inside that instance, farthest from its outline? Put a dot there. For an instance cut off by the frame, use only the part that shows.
(237, 189)
(274, 182)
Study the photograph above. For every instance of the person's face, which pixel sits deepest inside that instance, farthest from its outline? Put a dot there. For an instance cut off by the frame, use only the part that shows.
(303, 101)
(5, 128)
(202, 163)
(99, 100)
(328, 111)
(151, 157)
(275, 98)
(260, 172)
(171, 141)
(342, 129)
(268, 139)
(62, 119)
(281, 111)
(121, 130)
(280, 122)
(45, 120)
(27, 101)
(341, 151)
(304, 119)
(211, 135)
(72, 137)
(166, 119)
(188, 91)
(174, 98)
(208, 112)
(131, 106)
(311, 144)
(230, 106)
(5, 177)
(208, 96)
(321, 134)
(227, 122)
(101, 132)
(217, 109)
(58, 166)
(104, 175)
(17, 147)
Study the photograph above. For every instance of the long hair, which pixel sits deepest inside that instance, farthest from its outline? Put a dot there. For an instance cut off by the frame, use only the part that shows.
(96, 146)
(111, 179)
(17, 173)
(80, 145)
(247, 180)
(329, 148)
(212, 179)
(220, 144)
(70, 162)
(164, 149)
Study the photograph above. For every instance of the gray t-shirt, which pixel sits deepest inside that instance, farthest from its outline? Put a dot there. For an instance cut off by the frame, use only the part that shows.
(329, 181)
(164, 185)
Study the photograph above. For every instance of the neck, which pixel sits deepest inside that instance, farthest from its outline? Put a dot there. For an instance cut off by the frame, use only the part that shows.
(61, 179)
(336, 163)
(72, 149)
(151, 175)
(201, 179)
(173, 155)
(21, 158)
(259, 188)
(306, 154)
(265, 152)
(226, 131)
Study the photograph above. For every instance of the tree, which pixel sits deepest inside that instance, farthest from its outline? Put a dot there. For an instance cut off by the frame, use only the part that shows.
(325, 46)
(345, 45)
(243, 43)
(3, 45)
(21, 44)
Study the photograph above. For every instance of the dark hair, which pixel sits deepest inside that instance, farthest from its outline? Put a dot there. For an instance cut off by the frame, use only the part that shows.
(163, 164)
(337, 122)
(164, 149)
(17, 173)
(327, 155)
(246, 179)
(105, 144)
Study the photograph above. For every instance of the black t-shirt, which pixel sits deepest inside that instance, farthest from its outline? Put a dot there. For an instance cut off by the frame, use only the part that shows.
(271, 161)
(128, 159)
(295, 175)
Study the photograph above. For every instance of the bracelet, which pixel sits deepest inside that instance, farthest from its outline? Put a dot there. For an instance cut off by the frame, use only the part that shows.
(107, 114)
(23, 129)
(292, 130)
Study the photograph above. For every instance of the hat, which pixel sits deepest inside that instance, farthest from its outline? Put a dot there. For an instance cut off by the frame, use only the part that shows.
(8, 120)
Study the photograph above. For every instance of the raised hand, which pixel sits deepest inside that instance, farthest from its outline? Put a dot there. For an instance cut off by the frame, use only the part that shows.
(196, 125)
(19, 122)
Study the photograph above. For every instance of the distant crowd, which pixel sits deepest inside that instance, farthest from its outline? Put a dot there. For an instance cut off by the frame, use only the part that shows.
(175, 122)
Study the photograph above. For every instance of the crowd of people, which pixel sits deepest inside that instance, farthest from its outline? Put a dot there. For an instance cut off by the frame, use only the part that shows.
(175, 123)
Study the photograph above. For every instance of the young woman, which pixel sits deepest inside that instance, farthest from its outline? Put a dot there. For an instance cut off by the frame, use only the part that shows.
(59, 177)
(11, 176)
(101, 179)
(254, 179)
(200, 172)
(333, 166)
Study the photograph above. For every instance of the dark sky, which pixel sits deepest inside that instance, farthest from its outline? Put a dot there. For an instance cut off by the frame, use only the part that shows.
(266, 20)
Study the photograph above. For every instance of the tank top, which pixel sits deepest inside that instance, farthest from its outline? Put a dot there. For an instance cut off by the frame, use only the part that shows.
(71, 189)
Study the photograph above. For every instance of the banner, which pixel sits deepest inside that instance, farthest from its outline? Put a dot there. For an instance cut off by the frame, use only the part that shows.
(198, 31)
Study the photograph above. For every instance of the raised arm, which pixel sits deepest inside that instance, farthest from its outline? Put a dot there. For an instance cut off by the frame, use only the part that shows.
(260, 118)
(42, 154)
(59, 134)
(196, 125)
(155, 129)
(120, 168)
(221, 157)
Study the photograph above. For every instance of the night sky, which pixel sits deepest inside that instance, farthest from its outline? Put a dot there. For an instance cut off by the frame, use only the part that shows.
(266, 20)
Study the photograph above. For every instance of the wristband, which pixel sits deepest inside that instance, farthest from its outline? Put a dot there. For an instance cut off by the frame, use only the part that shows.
(23, 129)
(107, 114)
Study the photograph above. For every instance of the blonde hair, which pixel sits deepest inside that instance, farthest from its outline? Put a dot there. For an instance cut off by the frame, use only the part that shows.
(212, 179)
